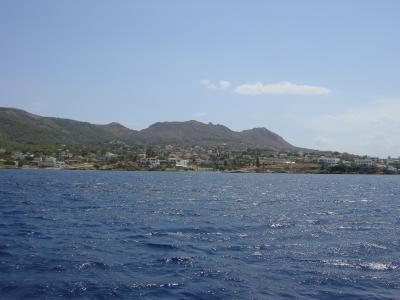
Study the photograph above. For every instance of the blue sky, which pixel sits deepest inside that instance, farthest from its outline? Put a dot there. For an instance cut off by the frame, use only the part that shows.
(323, 74)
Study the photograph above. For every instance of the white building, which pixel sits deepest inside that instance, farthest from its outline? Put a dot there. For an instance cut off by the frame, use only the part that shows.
(364, 163)
(328, 161)
(153, 162)
(60, 164)
(49, 162)
(392, 161)
(110, 156)
(178, 162)
(183, 163)
(172, 159)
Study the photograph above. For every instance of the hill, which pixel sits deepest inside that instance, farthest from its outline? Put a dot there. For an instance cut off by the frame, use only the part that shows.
(19, 127)
(190, 132)
(197, 133)
(263, 138)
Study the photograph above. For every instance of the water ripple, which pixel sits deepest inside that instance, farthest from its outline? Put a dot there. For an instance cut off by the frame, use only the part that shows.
(129, 235)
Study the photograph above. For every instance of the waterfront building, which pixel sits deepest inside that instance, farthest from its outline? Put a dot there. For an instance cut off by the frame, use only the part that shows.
(328, 161)
(365, 163)
(183, 163)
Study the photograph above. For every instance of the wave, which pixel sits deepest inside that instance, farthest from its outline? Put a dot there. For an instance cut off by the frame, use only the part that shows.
(93, 265)
(178, 260)
(374, 266)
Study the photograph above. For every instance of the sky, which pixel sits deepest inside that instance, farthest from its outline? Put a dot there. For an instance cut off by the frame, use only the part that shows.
(322, 74)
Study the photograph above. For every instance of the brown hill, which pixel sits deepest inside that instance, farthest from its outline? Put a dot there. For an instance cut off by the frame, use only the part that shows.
(22, 128)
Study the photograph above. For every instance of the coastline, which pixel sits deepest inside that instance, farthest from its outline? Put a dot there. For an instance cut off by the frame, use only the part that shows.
(236, 171)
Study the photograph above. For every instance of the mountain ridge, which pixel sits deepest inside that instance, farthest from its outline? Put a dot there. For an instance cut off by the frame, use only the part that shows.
(21, 127)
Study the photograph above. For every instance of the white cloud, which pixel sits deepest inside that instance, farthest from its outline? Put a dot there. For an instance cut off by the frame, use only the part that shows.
(372, 129)
(280, 88)
(220, 85)
(223, 84)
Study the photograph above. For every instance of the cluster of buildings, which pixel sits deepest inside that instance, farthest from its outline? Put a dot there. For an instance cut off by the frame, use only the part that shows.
(154, 162)
(196, 157)
(42, 161)
(334, 161)
(391, 165)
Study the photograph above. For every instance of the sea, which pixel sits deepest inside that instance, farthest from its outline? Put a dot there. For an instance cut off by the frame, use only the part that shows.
(198, 235)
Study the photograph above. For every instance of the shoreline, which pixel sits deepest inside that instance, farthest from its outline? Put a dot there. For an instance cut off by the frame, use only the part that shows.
(245, 171)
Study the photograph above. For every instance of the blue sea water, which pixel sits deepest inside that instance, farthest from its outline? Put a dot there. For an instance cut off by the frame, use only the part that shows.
(188, 235)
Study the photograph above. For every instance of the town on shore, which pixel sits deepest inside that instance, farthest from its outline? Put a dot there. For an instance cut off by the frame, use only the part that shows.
(120, 156)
